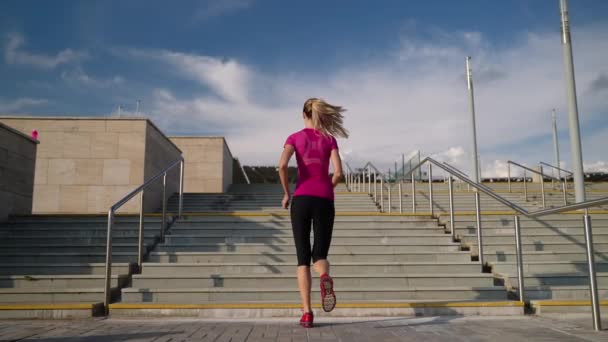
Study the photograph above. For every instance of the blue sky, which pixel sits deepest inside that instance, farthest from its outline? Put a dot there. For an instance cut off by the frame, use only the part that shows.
(242, 69)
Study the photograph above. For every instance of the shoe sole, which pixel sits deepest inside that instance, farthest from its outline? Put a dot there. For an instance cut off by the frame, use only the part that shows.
(328, 300)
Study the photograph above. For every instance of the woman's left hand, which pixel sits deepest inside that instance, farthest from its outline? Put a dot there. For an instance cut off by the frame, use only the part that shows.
(285, 201)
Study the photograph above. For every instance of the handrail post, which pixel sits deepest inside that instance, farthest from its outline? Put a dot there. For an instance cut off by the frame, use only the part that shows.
(525, 187)
(451, 194)
(479, 234)
(381, 194)
(390, 206)
(413, 193)
(107, 291)
(520, 261)
(164, 199)
(597, 321)
(181, 189)
(509, 175)
(400, 199)
(542, 185)
(140, 241)
(364, 180)
(369, 184)
(375, 187)
(431, 188)
(564, 189)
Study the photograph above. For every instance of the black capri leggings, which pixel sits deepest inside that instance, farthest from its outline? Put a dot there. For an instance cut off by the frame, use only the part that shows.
(320, 212)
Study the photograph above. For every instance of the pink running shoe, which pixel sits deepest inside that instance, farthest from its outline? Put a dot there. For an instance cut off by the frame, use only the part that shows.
(328, 297)
(306, 320)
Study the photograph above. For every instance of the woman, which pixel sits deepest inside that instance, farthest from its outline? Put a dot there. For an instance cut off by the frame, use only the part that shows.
(313, 199)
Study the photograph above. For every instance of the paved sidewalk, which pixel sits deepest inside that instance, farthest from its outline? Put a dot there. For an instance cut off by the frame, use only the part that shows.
(427, 329)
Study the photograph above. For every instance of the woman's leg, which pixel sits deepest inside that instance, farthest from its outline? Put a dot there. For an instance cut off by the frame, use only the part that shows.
(304, 281)
(323, 225)
(300, 223)
(321, 266)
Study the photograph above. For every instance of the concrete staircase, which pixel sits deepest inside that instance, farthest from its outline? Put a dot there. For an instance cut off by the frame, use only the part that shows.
(47, 262)
(244, 256)
(233, 255)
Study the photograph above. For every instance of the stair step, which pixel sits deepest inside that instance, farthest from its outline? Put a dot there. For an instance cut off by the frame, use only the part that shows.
(174, 269)
(66, 268)
(235, 295)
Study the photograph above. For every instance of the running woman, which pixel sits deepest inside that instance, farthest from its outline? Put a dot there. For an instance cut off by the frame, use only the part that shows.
(313, 199)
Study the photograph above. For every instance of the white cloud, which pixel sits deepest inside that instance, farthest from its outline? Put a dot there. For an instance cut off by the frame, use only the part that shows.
(412, 98)
(80, 77)
(16, 105)
(13, 54)
(598, 166)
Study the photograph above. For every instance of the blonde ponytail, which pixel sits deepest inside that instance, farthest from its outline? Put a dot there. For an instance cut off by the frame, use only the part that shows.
(326, 118)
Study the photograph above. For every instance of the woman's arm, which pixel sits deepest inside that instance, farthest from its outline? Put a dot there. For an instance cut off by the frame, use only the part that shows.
(283, 173)
(337, 164)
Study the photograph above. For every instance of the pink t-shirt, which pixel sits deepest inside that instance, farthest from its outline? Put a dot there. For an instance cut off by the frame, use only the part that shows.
(313, 151)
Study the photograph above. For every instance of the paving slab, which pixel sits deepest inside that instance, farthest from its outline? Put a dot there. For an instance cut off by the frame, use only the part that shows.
(447, 328)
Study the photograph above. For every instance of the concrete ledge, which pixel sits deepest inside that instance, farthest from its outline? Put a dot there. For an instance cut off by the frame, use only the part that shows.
(50, 311)
(267, 310)
(563, 306)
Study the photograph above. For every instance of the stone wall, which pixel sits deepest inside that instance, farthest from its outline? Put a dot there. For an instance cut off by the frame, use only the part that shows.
(17, 166)
(160, 152)
(208, 163)
(84, 165)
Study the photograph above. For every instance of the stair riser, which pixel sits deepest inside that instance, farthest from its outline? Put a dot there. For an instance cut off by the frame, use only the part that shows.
(561, 281)
(601, 239)
(419, 294)
(61, 283)
(527, 225)
(202, 234)
(603, 248)
(58, 298)
(338, 225)
(566, 257)
(288, 282)
(30, 270)
(291, 258)
(564, 294)
(530, 231)
(45, 259)
(558, 268)
(288, 231)
(70, 241)
(100, 234)
(270, 249)
(66, 249)
(290, 248)
(202, 270)
(372, 240)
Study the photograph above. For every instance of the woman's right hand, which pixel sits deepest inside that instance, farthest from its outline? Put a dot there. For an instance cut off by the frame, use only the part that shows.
(285, 201)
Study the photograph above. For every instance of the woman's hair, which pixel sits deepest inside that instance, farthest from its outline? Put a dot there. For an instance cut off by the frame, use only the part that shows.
(325, 118)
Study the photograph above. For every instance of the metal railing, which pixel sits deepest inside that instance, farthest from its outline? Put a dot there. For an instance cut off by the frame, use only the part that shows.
(542, 181)
(111, 213)
(570, 173)
(517, 227)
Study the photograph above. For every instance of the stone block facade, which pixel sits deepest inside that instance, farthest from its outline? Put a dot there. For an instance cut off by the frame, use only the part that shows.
(84, 165)
(17, 167)
(209, 163)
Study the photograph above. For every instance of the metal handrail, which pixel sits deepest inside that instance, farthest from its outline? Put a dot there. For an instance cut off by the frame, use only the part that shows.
(539, 213)
(557, 168)
(140, 190)
(542, 181)
(531, 170)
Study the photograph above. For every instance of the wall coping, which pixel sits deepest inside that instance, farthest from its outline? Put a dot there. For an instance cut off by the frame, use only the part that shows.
(203, 137)
(21, 134)
(91, 118)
